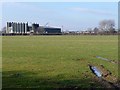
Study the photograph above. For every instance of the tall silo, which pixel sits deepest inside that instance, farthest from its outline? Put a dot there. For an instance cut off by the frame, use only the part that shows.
(8, 27)
(18, 27)
(8, 24)
(13, 27)
(26, 27)
(23, 27)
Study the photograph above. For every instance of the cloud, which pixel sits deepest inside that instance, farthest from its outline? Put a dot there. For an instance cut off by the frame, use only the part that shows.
(92, 11)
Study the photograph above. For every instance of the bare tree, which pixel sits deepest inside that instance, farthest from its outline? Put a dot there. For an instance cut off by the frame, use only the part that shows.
(102, 25)
(41, 30)
(107, 26)
(3, 30)
(96, 30)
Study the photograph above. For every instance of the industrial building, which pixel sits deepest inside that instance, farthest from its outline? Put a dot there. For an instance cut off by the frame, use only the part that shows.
(15, 28)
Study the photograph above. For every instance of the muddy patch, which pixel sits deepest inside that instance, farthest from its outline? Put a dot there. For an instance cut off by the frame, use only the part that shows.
(79, 59)
(104, 76)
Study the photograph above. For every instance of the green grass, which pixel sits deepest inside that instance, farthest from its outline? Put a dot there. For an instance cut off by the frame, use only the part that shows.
(55, 61)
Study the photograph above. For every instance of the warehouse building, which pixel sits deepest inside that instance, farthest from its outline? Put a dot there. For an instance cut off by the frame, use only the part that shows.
(51, 30)
(24, 28)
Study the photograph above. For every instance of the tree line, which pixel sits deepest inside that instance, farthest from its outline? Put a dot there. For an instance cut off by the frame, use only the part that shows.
(105, 27)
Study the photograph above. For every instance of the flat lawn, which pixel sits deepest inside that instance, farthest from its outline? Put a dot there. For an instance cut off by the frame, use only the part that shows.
(55, 61)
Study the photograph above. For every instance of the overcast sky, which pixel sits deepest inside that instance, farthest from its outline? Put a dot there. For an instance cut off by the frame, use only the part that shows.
(71, 15)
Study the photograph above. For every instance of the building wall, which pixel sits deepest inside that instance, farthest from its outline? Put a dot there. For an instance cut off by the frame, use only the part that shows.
(26, 27)
(35, 27)
(52, 30)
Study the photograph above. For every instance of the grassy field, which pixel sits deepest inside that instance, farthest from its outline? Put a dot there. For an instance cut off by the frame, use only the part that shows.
(55, 61)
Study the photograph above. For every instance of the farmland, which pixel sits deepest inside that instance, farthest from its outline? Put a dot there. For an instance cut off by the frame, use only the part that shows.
(55, 61)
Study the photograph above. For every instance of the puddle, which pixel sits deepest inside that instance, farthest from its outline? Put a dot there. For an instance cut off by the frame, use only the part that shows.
(95, 71)
(102, 58)
(79, 59)
(112, 61)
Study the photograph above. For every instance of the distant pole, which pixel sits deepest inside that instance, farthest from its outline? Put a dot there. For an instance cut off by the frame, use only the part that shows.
(46, 24)
(62, 28)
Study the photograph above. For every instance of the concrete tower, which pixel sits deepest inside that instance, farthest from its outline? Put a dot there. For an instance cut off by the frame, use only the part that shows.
(8, 27)
(26, 27)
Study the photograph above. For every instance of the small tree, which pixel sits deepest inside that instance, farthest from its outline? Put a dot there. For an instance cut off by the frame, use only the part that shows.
(3, 30)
